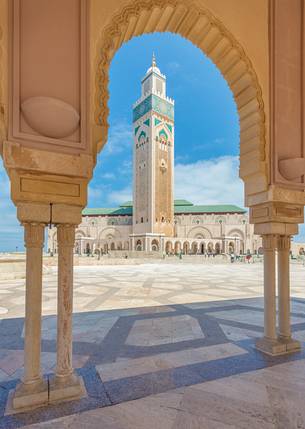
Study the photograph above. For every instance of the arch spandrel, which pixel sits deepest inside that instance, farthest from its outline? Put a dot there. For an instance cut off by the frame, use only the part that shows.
(194, 22)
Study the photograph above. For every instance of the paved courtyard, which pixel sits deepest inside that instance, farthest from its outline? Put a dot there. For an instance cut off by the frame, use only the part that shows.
(165, 345)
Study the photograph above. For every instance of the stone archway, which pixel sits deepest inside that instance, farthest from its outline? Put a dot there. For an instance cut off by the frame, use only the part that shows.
(210, 247)
(186, 247)
(195, 248)
(155, 245)
(177, 247)
(209, 34)
(169, 247)
(139, 245)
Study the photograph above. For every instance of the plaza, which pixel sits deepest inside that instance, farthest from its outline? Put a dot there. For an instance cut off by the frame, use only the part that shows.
(169, 344)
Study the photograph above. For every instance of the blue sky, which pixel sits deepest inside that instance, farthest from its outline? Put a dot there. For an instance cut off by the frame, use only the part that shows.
(206, 131)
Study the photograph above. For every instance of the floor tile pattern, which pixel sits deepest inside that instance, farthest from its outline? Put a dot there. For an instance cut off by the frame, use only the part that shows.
(170, 345)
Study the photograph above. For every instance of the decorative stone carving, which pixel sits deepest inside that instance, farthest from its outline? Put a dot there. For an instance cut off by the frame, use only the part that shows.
(277, 212)
(50, 116)
(33, 234)
(210, 35)
(292, 168)
(66, 235)
(270, 242)
(284, 242)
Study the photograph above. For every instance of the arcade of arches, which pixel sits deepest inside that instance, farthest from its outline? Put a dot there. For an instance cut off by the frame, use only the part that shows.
(53, 122)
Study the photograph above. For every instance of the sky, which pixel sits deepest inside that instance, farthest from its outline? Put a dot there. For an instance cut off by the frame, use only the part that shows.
(206, 131)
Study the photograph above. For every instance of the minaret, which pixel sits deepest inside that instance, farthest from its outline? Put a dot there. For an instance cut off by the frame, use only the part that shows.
(153, 121)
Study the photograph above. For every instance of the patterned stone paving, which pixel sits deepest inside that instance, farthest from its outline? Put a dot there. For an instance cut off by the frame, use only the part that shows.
(168, 345)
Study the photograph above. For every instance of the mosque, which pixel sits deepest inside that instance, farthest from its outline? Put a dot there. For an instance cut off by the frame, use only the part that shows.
(154, 221)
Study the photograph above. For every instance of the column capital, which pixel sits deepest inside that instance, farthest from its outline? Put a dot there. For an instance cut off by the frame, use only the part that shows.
(66, 234)
(270, 241)
(283, 242)
(33, 234)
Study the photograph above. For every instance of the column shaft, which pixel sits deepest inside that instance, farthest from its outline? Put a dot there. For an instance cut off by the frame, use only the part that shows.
(269, 245)
(283, 287)
(66, 237)
(34, 238)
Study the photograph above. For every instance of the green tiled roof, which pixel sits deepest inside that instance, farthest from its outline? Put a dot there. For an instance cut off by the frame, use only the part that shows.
(181, 206)
(218, 208)
(182, 203)
(118, 211)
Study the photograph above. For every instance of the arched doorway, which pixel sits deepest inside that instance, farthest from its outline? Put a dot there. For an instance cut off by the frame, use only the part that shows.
(168, 247)
(194, 248)
(202, 248)
(139, 245)
(186, 247)
(155, 245)
(112, 246)
(210, 248)
(177, 247)
(217, 248)
(231, 247)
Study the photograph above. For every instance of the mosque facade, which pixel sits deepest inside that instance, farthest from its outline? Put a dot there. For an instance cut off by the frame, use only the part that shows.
(154, 221)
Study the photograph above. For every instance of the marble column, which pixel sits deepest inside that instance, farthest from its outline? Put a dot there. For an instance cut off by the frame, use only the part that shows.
(284, 293)
(65, 384)
(34, 389)
(270, 344)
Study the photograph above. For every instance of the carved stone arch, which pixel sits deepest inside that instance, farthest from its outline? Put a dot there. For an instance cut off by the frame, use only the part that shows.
(114, 232)
(199, 231)
(79, 233)
(209, 34)
(236, 232)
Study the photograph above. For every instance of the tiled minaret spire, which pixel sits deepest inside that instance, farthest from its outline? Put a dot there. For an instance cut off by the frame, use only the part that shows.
(153, 121)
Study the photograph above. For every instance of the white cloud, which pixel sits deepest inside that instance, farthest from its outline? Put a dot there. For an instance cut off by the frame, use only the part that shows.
(120, 196)
(173, 66)
(213, 181)
(108, 176)
(94, 193)
(119, 138)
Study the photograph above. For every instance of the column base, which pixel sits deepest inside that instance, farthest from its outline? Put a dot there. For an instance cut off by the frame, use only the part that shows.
(291, 344)
(30, 395)
(271, 347)
(66, 388)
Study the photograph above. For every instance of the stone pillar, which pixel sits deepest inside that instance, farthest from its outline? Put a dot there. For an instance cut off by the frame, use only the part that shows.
(65, 384)
(284, 293)
(34, 389)
(270, 344)
(146, 244)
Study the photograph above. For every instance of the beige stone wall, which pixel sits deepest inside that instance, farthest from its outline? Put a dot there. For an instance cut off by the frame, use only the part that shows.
(235, 34)
(97, 230)
(3, 71)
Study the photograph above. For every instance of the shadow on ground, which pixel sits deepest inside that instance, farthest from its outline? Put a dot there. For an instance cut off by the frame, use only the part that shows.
(124, 355)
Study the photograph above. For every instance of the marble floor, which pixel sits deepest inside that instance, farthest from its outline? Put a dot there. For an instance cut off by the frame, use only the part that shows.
(170, 345)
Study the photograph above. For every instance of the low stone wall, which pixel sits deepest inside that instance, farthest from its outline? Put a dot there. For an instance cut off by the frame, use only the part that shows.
(12, 266)
(12, 269)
